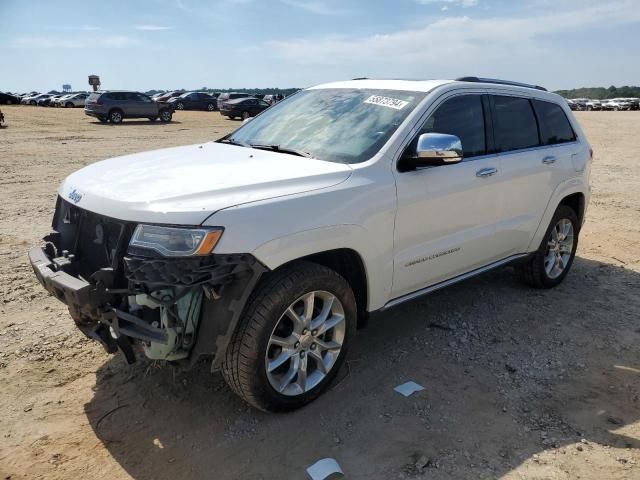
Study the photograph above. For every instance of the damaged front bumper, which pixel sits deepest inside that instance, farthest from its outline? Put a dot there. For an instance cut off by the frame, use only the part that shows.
(176, 309)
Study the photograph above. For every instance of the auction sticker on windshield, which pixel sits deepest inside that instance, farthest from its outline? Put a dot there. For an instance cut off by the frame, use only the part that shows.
(386, 102)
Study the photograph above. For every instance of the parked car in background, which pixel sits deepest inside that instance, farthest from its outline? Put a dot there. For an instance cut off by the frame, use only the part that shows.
(165, 97)
(25, 97)
(616, 104)
(56, 102)
(593, 105)
(46, 101)
(223, 97)
(273, 99)
(581, 103)
(634, 103)
(8, 99)
(73, 100)
(572, 105)
(33, 100)
(155, 96)
(194, 101)
(115, 106)
(243, 107)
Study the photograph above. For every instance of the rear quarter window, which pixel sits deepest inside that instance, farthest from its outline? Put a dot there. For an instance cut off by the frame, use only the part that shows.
(554, 125)
(515, 125)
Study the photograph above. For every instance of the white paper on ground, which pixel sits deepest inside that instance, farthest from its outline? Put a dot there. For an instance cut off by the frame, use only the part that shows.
(408, 388)
(324, 468)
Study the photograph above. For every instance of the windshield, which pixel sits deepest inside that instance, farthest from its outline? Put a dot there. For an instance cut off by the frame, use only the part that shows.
(339, 125)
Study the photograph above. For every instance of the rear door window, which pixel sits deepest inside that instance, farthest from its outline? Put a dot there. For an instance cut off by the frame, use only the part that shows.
(463, 117)
(554, 124)
(514, 123)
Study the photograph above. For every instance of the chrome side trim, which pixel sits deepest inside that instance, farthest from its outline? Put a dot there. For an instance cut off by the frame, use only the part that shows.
(451, 281)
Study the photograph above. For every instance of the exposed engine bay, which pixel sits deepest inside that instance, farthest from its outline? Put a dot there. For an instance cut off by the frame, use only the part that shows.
(134, 299)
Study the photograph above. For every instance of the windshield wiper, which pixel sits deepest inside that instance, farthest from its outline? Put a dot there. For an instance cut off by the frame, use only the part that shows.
(278, 148)
(233, 141)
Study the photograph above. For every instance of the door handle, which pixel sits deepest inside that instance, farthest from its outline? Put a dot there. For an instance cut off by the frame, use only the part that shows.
(549, 160)
(486, 172)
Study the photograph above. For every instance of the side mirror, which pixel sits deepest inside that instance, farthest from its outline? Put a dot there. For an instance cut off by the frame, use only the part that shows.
(433, 149)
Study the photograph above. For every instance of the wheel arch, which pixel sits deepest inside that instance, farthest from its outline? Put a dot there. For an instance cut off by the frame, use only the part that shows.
(115, 109)
(329, 246)
(350, 265)
(573, 193)
(577, 202)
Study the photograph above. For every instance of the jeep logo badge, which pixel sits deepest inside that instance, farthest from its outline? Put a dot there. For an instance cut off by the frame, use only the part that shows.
(74, 196)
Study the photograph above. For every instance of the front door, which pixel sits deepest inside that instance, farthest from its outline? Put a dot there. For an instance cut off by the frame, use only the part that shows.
(446, 216)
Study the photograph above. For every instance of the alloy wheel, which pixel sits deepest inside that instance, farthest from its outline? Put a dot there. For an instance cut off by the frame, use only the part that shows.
(305, 343)
(559, 248)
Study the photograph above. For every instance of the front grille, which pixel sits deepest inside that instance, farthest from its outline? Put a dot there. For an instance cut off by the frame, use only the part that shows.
(96, 241)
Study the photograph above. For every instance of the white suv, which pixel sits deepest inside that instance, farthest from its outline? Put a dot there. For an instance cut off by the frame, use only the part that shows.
(266, 249)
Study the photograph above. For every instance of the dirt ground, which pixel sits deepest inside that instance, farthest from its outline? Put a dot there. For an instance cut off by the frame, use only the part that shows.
(518, 383)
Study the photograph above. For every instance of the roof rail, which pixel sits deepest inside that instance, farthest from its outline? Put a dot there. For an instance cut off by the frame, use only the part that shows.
(361, 78)
(501, 82)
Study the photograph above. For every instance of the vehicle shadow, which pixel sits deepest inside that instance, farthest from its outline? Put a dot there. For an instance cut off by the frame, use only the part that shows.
(135, 122)
(508, 371)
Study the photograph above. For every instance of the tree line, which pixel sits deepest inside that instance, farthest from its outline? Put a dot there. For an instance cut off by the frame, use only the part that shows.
(601, 93)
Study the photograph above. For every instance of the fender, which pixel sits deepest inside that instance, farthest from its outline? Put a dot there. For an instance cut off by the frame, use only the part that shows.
(564, 189)
(378, 265)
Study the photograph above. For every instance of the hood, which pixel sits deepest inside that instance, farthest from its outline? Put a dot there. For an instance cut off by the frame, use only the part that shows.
(185, 185)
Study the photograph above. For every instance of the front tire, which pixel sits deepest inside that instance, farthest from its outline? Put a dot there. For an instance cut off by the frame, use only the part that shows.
(292, 338)
(68, 105)
(165, 116)
(245, 115)
(211, 107)
(553, 259)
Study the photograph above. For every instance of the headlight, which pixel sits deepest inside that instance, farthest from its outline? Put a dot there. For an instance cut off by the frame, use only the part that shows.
(175, 242)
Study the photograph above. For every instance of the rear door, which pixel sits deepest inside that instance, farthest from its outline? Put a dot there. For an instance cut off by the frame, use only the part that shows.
(251, 105)
(536, 144)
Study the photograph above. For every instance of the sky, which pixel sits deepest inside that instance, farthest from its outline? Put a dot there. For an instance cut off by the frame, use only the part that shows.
(170, 44)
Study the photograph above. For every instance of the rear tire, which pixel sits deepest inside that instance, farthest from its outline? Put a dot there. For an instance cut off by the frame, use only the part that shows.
(245, 115)
(179, 106)
(68, 105)
(293, 334)
(115, 116)
(211, 107)
(554, 257)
